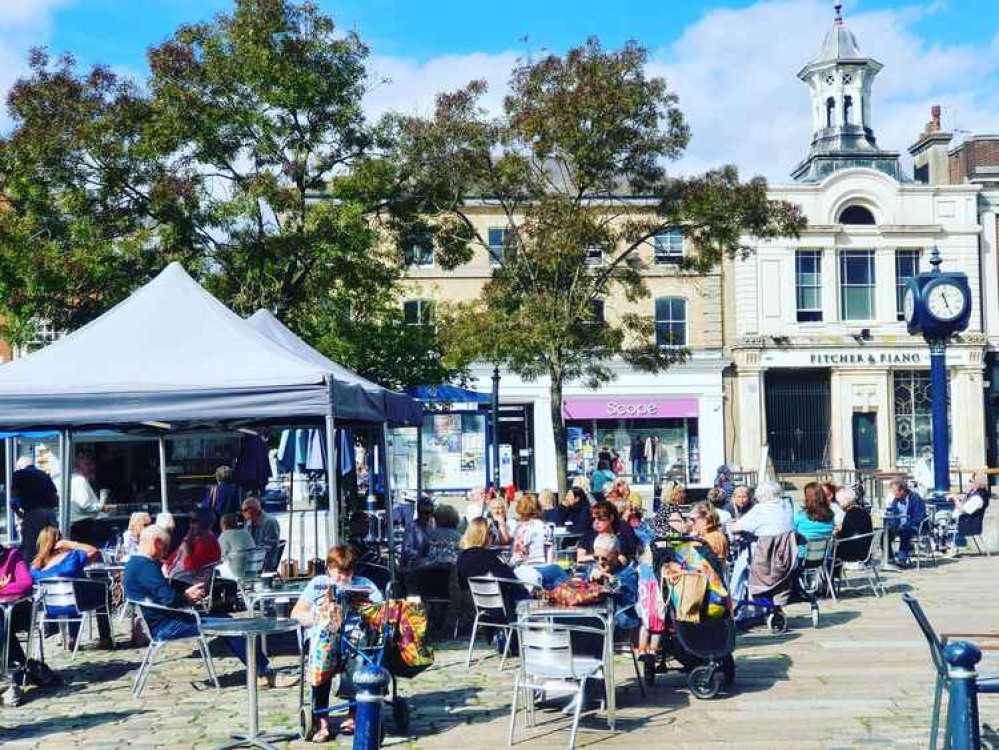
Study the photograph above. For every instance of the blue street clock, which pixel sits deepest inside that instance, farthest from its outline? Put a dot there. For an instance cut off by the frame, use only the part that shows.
(936, 306)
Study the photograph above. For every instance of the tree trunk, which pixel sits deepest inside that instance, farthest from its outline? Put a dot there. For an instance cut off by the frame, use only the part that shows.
(558, 432)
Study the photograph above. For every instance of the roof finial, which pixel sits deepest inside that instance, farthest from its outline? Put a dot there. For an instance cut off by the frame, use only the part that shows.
(838, 7)
(935, 259)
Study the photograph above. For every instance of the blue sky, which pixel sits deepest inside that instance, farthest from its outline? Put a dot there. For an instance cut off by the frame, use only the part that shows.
(733, 62)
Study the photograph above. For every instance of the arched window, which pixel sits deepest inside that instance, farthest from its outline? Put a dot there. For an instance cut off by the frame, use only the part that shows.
(830, 112)
(856, 215)
(671, 321)
(847, 109)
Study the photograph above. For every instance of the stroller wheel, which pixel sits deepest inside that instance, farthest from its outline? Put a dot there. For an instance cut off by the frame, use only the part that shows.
(649, 668)
(728, 670)
(400, 715)
(705, 682)
(305, 726)
(777, 622)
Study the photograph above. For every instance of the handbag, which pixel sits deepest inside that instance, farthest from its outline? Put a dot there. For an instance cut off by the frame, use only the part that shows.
(576, 592)
(688, 595)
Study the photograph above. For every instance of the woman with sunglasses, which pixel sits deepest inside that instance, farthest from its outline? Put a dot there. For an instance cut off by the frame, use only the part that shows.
(608, 569)
(605, 520)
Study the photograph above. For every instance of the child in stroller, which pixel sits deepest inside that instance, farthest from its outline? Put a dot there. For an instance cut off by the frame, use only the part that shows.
(698, 631)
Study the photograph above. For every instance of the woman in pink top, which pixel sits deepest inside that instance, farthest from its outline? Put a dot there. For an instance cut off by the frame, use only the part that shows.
(15, 582)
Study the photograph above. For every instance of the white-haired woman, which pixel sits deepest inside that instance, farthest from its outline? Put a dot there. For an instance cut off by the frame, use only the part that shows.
(772, 514)
(968, 508)
(856, 522)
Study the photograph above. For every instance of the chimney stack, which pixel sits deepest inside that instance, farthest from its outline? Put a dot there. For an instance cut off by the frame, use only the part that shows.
(929, 153)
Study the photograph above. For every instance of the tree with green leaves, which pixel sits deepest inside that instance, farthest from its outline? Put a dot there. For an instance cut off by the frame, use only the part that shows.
(576, 163)
(246, 155)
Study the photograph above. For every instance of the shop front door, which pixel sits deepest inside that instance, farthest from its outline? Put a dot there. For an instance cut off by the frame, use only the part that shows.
(865, 440)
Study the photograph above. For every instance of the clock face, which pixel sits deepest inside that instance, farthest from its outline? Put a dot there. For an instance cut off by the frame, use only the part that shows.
(909, 305)
(945, 302)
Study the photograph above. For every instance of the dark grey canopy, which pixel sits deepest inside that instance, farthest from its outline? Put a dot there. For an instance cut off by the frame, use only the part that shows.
(400, 408)
(173, 353)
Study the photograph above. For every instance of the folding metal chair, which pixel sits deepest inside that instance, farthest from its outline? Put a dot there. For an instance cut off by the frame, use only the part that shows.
(155, 644)
(491, 611)
(58, 603)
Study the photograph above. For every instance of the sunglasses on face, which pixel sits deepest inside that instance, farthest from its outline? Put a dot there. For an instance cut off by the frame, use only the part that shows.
(603, 559)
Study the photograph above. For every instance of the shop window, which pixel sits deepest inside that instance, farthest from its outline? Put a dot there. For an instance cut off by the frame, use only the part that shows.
(856, 274)
(418, 312)
(913, 415)
(418, 251)
(668, 247)
(808, 285)
(906, 267)
(497, 245)
(671, 321)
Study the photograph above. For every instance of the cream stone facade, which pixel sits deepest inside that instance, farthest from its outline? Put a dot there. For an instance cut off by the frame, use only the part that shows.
(683, 406)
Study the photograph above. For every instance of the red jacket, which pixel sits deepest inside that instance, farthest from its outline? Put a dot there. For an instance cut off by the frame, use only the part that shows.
(204, 550)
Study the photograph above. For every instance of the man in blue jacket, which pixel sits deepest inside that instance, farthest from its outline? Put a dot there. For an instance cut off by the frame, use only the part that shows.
(144, 581)
(906, 512)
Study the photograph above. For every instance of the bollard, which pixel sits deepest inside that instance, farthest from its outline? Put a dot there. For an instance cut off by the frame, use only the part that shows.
(962, 706)
(371, 682)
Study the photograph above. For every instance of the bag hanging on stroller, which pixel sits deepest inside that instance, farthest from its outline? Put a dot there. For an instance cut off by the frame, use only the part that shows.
(407, 652)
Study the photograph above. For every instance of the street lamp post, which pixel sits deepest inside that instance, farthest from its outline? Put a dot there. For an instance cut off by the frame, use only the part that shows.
(495, 415)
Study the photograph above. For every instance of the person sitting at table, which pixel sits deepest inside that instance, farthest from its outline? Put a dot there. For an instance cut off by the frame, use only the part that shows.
(199, 549)
(607, 568)
(477, 559)
(130, 539)
(716, 499)
(814, 521)
(605, 520)
(415, 543)
(705, 523)
(668, 519)
(234, 543)
(265, 530)
(769, 515)
(529, 557)
(61, 558)
(145, 582)
(222, 497)
(741, 502)
(574, 512)
(319, 609)
(856, 522)
(501, 526)
(549, 512)
(905, 514)
(15, 583)
(443, 538)
(165, 521)
(967, 509)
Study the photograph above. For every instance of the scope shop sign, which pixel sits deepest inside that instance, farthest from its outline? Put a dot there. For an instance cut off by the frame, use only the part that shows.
(628, 407)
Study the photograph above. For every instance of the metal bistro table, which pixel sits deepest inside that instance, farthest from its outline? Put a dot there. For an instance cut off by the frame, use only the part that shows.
(283, 592)
(604, 612)
(251, 628)
(7, 606)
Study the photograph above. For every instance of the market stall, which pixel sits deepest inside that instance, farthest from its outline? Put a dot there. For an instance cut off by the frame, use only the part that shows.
(169, 361)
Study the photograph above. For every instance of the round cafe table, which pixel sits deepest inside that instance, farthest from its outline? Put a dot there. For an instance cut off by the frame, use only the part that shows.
(252, 628)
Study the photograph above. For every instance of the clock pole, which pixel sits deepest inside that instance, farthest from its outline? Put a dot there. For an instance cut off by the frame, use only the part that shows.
(941, 436)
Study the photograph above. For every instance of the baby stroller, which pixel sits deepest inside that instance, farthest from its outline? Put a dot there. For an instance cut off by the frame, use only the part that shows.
(698, 632)
(375, 637)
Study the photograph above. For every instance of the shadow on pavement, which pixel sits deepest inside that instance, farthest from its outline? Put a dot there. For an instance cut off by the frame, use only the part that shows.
(53, 726)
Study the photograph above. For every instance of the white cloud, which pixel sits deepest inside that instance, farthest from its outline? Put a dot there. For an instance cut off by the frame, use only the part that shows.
(736, 74)
(23, 24)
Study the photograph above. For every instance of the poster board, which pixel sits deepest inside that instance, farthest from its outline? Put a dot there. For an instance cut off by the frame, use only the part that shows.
(454, 451)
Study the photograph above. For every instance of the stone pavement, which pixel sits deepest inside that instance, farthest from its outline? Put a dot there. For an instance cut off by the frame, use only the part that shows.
(862, 679)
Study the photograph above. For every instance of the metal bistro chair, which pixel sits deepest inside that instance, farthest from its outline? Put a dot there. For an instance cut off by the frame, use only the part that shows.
(206, 576)
(156, 644)
(814, 570)
(868, 565)
(491, 611)
(549, 666)
(58, 593)
(253, 569)
(986, 683)
(923, 545)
